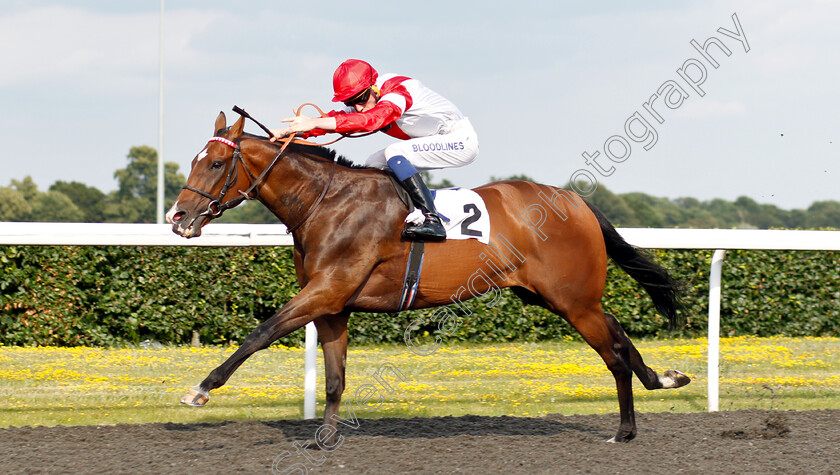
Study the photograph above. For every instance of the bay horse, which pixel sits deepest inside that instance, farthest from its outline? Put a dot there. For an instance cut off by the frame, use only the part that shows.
(349, 255)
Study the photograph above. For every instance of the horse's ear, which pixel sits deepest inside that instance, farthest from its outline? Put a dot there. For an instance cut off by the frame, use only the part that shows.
(221, 123)
(236, 129)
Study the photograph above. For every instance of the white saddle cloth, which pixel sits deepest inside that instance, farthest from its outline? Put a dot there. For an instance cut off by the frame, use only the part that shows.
(462, 212)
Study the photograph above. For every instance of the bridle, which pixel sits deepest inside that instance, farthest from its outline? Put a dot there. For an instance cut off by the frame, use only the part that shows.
(216, 207)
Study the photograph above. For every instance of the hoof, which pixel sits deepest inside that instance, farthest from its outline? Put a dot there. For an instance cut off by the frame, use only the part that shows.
(623, 438)
(196, 397)
(675, 379)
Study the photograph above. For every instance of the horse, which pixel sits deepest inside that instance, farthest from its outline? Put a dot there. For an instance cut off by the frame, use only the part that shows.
(548, 245)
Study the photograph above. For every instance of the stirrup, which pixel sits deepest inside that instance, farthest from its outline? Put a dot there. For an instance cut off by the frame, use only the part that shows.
(431, 230)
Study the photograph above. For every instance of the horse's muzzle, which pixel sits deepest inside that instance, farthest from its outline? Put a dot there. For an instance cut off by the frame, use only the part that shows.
(183, 224)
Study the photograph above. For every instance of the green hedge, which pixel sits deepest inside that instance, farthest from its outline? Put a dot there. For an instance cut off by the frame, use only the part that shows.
(122, 295)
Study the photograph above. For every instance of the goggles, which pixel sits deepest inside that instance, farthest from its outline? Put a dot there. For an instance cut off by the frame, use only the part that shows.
(359, 98)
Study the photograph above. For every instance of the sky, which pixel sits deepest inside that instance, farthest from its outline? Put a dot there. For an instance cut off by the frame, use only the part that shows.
(546, 84)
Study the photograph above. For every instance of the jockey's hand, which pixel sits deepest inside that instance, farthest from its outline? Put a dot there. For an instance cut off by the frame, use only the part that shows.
(298, 124)
(301, 123)
(279, 133)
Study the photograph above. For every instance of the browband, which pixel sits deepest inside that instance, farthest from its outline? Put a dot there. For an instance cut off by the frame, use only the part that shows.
(223, 140)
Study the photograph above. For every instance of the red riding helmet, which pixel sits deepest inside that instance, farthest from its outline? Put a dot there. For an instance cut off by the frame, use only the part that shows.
(352, 77)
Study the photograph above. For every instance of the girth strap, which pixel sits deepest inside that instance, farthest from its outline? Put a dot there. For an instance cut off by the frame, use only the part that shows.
(412, 275)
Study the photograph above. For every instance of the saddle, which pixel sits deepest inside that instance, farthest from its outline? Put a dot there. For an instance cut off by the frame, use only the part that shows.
(461, 210)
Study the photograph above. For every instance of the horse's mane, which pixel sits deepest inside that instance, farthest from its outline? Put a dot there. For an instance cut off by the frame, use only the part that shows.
(327, 154)
(310, 151)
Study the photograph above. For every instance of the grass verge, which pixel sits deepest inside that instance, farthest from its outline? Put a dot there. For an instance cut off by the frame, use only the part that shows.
(73, 386)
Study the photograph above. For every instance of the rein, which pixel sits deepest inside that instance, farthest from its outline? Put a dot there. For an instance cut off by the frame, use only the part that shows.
(253, 191)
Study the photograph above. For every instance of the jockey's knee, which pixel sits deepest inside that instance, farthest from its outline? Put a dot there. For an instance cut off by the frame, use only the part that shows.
(401, 167)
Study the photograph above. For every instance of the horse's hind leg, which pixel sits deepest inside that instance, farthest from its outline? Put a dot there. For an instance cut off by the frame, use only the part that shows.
(596, 330)
(670, 379)
(332, 333)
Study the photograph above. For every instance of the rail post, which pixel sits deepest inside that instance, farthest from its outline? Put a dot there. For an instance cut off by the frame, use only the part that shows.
(713, 356)
(310, 370)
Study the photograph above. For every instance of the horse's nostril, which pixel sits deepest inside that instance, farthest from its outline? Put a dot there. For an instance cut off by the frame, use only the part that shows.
(177, 217)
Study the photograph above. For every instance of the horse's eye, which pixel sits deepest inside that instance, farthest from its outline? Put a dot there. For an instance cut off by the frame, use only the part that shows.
(216, 165)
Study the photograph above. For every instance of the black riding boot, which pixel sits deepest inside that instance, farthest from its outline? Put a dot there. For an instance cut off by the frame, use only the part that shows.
(432, 229)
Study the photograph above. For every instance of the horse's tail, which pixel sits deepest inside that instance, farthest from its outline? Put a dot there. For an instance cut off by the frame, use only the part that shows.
(663, 289)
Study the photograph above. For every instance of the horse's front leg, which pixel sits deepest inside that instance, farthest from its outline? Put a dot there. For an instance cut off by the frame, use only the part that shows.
(332, 333)
(312, 302)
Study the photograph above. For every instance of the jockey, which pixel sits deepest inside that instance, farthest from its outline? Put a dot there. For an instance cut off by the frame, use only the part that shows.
(434, 132)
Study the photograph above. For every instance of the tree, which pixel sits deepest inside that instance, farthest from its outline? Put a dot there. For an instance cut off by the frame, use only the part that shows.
(746, 204)
(687, 203)
(646, 215)
(798, 218)
(54, 206)
(822, 214)
(725, 212)
(88, 199)
(769, 216)
(24, 202)
(27, 188)
(613, 207)
(13, 206)
(136, 199)
(760, 216)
